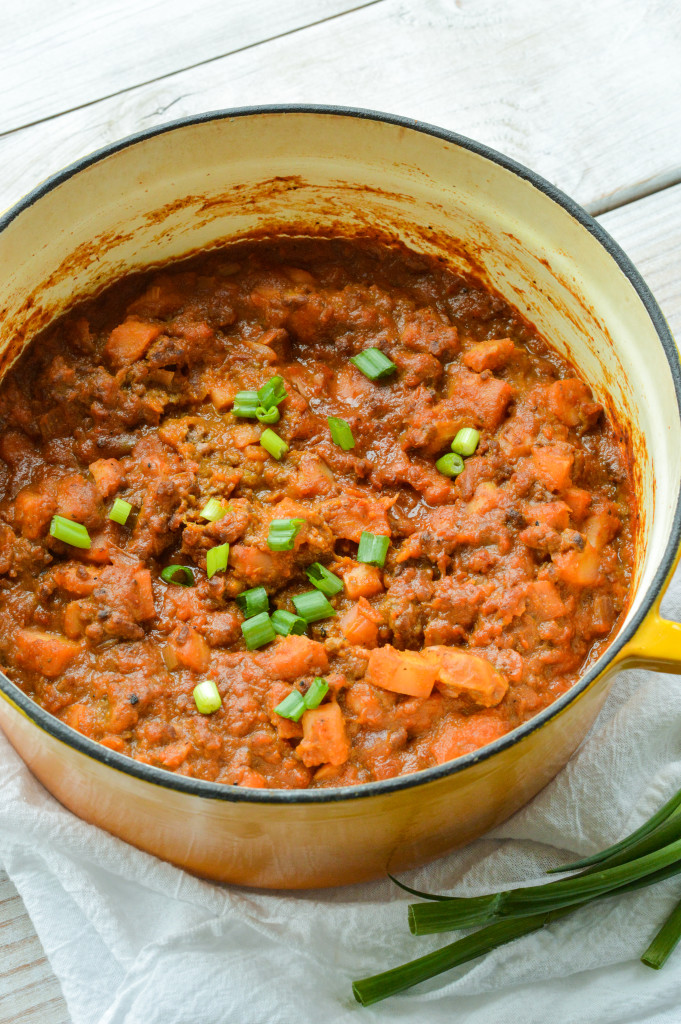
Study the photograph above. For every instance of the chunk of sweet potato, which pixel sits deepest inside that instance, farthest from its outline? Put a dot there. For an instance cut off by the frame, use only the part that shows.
(461, 674)
(296, 656)
(360, 624)
(34, 507)
(489, 355)
(362, 581)
(47, 653)
(401, 671)
(129, 341)
(107, 475)
(578, 568)
(325, 740)
(190, 649)
(552, 464)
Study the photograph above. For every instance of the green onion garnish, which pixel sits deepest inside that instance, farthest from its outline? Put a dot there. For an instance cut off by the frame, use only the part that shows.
(291, 707)
(323, 579)
(267, 415)
(246, 404)
(273, 393)
(372, 548)
(213, 510)
(216, 559)
(373, 364)
(450, 464)
(171, 572)
(253, 602)
(69, 532)
(206, 697)
(286, 623)
(120, 510)
(466, 441)
(341, 434)
(273, 444)
(283, 533)
(316, 694)
(664, 943)
(258, 631)
(312, 606)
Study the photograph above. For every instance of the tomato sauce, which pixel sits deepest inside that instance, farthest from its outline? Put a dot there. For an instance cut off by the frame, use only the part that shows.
(499, 584)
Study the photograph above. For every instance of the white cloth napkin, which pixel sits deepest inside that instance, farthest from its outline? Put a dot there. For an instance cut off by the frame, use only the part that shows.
(135, 941)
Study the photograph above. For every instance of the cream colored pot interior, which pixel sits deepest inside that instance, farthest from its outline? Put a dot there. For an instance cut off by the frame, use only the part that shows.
(188, 188)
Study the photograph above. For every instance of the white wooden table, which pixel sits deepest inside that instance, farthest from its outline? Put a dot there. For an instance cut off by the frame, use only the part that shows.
(585, 93)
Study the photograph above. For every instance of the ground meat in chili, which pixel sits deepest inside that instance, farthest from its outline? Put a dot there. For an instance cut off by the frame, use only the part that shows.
(499, 586)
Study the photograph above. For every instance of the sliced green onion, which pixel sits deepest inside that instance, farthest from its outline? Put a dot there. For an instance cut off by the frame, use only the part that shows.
(253, 602)
(316, 694)
(69, 532)
(323, 579)
(216, 559)
(273, 444)
(120, 510)
(283, 533)
(291, 707)
(267, 415)
(450, 464)
(312, 606)
(213, 510)
(665, 941)
(206, 697)
(286, 623)
(373, 364)
(466, 441)
(372, 548)
(258, 631)
(171, 572)
(341, 434)
(273, 393)
(246, 404)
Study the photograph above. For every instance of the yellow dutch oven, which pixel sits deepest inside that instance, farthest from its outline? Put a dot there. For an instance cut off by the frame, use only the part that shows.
(222, 176)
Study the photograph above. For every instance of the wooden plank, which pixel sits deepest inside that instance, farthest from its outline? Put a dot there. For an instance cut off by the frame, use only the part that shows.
(649, 231)
(57, 57)
(599, 116)
(29, 991)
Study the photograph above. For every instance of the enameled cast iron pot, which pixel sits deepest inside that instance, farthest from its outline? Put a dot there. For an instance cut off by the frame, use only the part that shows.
(191, 184)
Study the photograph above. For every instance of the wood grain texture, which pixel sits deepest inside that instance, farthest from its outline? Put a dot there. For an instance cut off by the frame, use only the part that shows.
(54, 57)
(29, 991)
(586, 94)
(649, 231)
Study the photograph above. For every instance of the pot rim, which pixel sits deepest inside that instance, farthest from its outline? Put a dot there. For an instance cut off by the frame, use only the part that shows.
(224, 791)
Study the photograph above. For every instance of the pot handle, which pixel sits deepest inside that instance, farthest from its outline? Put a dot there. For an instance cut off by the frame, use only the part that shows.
(656, 645)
